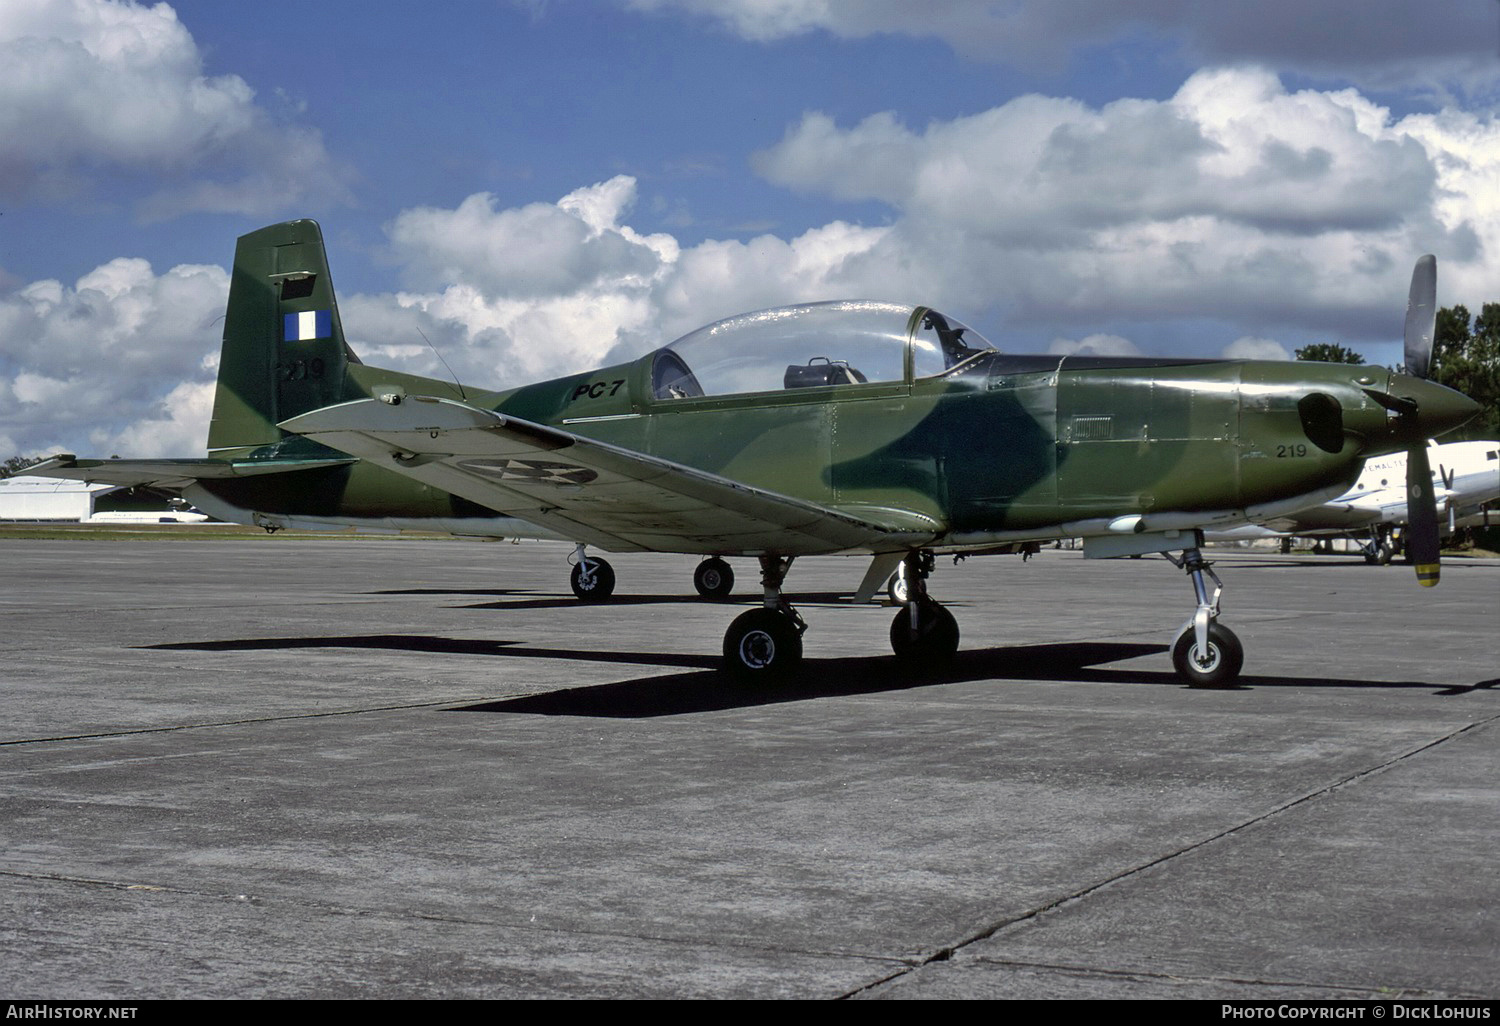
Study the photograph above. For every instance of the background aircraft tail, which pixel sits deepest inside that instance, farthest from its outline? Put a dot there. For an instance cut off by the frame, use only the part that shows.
(284, 351)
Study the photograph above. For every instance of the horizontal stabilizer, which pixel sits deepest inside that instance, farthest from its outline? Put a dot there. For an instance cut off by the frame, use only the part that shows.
(172, 475)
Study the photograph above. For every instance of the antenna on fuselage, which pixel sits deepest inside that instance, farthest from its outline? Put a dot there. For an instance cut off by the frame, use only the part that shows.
(439, 355)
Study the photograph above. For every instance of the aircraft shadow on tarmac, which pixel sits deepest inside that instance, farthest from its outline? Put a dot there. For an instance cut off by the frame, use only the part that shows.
(701, 688)
(1072, 662)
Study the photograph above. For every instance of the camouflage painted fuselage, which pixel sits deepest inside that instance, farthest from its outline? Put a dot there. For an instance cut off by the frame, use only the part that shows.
(994, 447)
(1005, 444)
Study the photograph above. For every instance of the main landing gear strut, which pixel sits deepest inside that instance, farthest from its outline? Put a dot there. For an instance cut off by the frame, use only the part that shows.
(1381, 548)
(1205, 653)
(924, 632)
(766, 643)
(593, 579)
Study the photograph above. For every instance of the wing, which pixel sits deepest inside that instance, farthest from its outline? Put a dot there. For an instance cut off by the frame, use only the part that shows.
(604, 495)
(171, 475)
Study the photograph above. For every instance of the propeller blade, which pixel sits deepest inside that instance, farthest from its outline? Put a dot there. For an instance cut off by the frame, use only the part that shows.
(1397, 404)
(1421, 517)
(1421, 316)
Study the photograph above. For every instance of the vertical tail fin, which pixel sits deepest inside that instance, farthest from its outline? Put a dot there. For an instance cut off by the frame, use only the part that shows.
(284, 351)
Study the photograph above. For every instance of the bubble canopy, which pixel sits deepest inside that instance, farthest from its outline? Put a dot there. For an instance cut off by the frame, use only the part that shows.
(845, 343)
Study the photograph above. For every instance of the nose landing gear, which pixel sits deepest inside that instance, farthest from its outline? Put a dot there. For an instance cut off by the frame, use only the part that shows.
(1205, 653)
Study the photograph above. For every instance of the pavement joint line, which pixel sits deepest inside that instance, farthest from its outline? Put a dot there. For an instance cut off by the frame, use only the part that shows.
(947, 952)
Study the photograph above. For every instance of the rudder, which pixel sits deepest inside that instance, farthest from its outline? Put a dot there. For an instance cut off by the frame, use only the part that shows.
(284, 351)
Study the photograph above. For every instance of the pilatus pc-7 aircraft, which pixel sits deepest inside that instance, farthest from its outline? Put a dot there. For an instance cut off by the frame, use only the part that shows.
(847, 427)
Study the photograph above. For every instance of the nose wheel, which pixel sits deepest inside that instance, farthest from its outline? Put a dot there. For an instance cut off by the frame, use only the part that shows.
(1205, 653)
(1214, 666)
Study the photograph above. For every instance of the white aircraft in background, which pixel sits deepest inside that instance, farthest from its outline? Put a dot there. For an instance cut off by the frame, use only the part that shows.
(1465, 475)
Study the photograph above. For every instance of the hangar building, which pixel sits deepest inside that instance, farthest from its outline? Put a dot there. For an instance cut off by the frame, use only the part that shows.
(47, 499)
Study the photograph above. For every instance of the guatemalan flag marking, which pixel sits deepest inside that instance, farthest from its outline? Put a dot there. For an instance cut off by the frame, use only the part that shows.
(306, 326)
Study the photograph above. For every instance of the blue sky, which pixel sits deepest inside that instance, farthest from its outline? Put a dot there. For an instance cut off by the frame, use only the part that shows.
(538, 186)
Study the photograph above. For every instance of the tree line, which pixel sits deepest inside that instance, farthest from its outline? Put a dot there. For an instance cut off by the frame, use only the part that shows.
(18, 465)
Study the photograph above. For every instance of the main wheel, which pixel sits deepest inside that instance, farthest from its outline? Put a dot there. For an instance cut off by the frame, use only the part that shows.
(1221, 665)
(762, 645)
(714, 578)
(935, 639)
(895, 588)
(597, 584)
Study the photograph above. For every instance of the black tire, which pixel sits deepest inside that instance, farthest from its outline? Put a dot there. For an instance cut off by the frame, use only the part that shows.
(714, 578)
(1226, 657)
(936, 637)
(600, 585)
(762, 645)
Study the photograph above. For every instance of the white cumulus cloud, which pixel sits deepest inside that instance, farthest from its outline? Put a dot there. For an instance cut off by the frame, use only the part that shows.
(1094, 345)
(1235, 197)
(118, 359)
(1248, 348)
(95, 88)
(540, 249)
